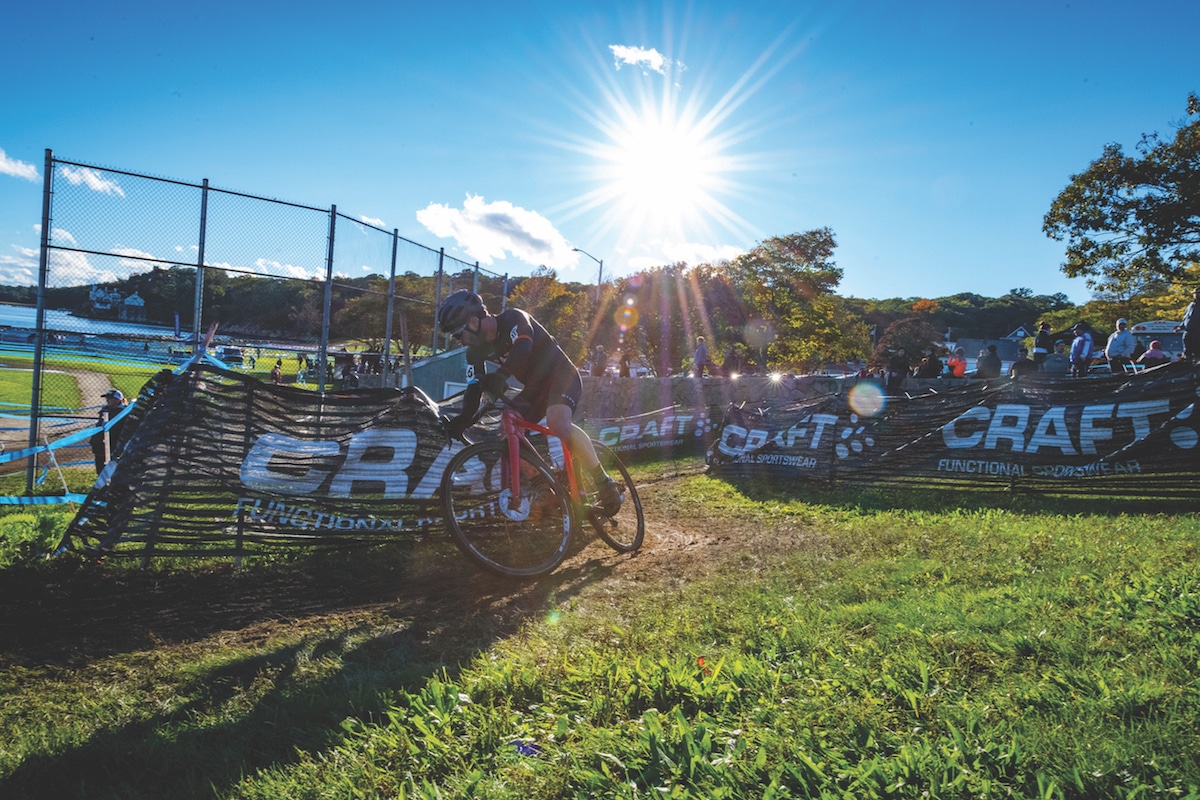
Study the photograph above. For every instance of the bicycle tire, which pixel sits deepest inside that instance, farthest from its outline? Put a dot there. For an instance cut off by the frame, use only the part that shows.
(625, 530)
(527, 541)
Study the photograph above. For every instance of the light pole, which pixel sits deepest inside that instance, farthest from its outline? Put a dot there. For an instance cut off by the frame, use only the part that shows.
(599, 275)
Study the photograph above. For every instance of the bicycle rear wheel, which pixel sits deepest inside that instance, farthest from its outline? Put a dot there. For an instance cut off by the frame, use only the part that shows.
(520, 537)
(625, 530)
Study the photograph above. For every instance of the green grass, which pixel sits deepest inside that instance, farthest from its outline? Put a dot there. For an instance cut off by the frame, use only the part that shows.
(853, 647)
(16, 387)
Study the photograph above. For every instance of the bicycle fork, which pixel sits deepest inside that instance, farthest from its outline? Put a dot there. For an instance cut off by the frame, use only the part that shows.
(513, 435)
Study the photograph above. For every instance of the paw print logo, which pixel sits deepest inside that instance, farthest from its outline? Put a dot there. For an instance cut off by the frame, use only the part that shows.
(854, 439)
(1183, 437)
(704, 425)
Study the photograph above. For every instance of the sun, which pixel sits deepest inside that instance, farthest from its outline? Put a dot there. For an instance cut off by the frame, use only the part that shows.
(660, 170)
(662, 151)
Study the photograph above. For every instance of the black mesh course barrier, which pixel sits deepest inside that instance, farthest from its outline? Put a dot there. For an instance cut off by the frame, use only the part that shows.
(1122, 435)
(217, 463)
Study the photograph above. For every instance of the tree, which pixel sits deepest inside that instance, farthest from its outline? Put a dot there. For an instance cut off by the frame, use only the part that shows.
(914, 334)
(787, 281)
(1131, 220)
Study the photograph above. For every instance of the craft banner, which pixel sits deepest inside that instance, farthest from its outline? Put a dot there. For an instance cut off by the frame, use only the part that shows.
(670, 432)
(1125, 433)
(218, 462)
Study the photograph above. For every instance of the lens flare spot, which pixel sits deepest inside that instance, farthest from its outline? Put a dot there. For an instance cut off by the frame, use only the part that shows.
(626, 317)
(867, 399)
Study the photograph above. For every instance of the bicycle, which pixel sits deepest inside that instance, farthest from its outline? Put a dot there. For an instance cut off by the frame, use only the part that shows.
(519, 523)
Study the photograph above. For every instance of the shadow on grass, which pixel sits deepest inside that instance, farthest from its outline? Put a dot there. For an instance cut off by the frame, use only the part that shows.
(1026, 501)
(394, 621)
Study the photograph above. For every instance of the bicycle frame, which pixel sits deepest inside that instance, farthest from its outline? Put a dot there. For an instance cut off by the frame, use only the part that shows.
(514, 428)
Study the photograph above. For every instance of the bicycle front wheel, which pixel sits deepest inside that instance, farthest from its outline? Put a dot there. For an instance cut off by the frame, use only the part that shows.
(625, 530)
(519, 536)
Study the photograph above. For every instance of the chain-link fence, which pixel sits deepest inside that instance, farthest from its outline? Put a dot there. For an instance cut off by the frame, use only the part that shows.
(140, 273)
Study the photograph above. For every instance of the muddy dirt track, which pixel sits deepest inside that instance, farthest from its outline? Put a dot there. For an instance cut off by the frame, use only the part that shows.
(74, 612)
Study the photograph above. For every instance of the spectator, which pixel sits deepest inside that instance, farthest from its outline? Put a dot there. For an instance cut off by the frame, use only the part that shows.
(700, 358)
(1058, 363)
(931, 365)
(1082, 351)
(1120, 346)
(1154, 356)
(897, 369)
(623, 364)
(104, 442)
(957, 363)
(989, 364)
(1023, 366)
(599, 361)
(1043, 343)
(1191, 328)
(277, 372)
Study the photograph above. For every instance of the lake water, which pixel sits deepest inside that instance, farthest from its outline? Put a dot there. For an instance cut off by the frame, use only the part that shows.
(26, 317)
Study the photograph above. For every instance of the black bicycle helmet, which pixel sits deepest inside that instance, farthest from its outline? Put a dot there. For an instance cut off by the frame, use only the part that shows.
(457, 309)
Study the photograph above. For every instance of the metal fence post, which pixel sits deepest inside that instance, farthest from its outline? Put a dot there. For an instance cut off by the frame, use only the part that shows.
(437, 300)
(43, 272)
(326, 313)
(198, 308)
(504, 293)
(385, 370)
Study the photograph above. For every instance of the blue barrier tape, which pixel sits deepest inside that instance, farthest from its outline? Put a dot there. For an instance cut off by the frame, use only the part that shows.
(66, 441)
(42, 501)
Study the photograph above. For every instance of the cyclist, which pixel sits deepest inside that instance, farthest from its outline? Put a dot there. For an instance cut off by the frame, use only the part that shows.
(526, 351)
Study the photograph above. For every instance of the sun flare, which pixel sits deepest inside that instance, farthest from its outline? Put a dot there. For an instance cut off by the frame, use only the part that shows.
(660, 171)
(662, 167)
(664, 154)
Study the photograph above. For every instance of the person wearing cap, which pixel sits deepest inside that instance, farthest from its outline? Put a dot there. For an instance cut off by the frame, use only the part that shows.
(103, 442)
(1024, 365)
(1154, 356)
(1058, 363)
(1043, 343)
(1082, 351)
(1120, 347)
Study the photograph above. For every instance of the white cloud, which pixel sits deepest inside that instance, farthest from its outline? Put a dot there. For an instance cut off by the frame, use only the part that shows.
(133, 259)
(664, 252)
(378, 223)
(278, 268)
(641, 57)
(91, 178)
(21, 269)
(66, 268)
(488, 231)
(18, 169)
(72, 269)
(57, 235)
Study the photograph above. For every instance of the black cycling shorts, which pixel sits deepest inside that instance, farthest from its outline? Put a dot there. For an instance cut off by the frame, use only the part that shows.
(564, 388)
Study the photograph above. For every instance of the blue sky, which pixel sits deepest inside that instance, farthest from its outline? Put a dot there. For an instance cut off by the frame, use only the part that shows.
(931, 137)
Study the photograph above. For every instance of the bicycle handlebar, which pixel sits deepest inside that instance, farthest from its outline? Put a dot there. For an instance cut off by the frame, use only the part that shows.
(495, 401)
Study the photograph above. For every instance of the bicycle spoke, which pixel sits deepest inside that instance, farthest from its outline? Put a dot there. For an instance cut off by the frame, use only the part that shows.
(521, 536)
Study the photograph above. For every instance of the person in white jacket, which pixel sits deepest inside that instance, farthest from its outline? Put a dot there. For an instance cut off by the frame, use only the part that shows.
(1120, 347)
